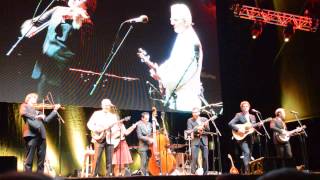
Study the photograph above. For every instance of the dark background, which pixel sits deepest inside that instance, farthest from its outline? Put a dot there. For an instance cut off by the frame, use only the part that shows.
(266, 72)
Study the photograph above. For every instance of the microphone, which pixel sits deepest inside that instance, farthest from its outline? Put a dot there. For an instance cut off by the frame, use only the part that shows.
(294, 112)
(140, 19)
(255, 111)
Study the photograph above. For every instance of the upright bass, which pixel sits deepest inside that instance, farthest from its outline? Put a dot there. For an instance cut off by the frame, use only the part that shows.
(162, 162)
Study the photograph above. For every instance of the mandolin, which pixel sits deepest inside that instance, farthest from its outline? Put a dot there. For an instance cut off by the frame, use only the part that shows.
(233, 169)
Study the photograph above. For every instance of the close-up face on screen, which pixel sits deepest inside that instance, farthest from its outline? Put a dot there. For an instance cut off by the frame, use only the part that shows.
(138, 53)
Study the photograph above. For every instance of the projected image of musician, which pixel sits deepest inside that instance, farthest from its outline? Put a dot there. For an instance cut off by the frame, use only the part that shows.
(69, 30)
(279, 128)
(242, 126)
(198, 125)
(179, 75)
(100, 123)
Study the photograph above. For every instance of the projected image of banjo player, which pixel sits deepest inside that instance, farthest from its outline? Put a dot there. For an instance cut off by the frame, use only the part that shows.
(180, 74)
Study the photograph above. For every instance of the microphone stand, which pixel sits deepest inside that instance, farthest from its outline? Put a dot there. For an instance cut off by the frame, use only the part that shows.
(24, 35)
(303, 146)
(173, 93)
(266, 133)
(60, 121)
(110, 59)
(211, 114)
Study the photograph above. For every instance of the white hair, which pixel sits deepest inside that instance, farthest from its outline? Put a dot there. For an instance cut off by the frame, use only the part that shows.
(181, 11)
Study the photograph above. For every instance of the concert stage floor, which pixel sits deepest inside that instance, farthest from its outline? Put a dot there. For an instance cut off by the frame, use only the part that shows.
(189, 177)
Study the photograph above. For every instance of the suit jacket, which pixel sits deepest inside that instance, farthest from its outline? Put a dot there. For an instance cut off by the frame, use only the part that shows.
(192, 124)
(34, 127)
(239, 118)
(277, 125)
(143, 132)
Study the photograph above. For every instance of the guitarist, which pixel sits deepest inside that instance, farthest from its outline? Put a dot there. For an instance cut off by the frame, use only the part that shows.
(277, 125)
(198, 124)
(180, 73)
(100, 122)
(244, 117)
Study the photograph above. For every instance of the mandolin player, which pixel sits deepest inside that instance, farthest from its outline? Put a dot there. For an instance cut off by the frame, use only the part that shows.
(198, 125)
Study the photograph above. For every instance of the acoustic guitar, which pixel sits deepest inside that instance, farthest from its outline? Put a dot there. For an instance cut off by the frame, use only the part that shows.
(285, 137)
(145, 58)
(247, 128)
(233, 169)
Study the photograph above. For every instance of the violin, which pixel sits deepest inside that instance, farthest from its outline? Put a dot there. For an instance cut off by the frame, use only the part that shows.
(41, 106)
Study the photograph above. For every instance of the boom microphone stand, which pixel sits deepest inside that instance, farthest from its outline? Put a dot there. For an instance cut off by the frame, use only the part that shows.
(211, 114)
(111, 57)
(302, 138)
(266, 133)
(24, 35)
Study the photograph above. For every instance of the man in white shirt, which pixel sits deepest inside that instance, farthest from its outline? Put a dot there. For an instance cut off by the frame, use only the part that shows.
(101, 123)
(180, 74)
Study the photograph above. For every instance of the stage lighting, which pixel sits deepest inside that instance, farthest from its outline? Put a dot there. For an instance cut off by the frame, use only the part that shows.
(256, 30)
(288, 32)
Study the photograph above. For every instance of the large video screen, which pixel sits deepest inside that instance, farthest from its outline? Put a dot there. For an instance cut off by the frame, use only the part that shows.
(149, 53)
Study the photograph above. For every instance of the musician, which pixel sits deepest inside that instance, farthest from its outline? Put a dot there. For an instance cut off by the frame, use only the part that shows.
(244, 117)
(144, 133)
(101, 122)
(180, 74)
(34, 132)
(197, 124)
(278, 126)
(121, 156)
(69, 33)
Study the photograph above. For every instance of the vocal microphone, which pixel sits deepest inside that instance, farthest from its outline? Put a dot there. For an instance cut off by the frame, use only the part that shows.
(140, 19)
(255, 111)
(294, 112)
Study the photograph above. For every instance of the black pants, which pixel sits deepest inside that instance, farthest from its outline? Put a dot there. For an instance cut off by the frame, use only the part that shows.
(99, 147)
(35, 144)
(283, 150)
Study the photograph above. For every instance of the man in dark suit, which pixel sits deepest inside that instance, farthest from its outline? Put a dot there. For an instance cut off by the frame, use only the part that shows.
(198, 124)
(278, 126)
(244, 117)
(144, 131)
(34, 132)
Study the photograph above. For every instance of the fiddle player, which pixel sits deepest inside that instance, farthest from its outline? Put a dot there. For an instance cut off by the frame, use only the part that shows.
(34, 132)
(67, 42)
(144, 131)
(198, 124)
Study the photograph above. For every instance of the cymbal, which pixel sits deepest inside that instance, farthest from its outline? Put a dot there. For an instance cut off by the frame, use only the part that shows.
(177, 146)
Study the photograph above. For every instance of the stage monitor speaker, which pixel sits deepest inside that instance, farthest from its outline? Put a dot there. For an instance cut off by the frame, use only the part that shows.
(8, 163)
